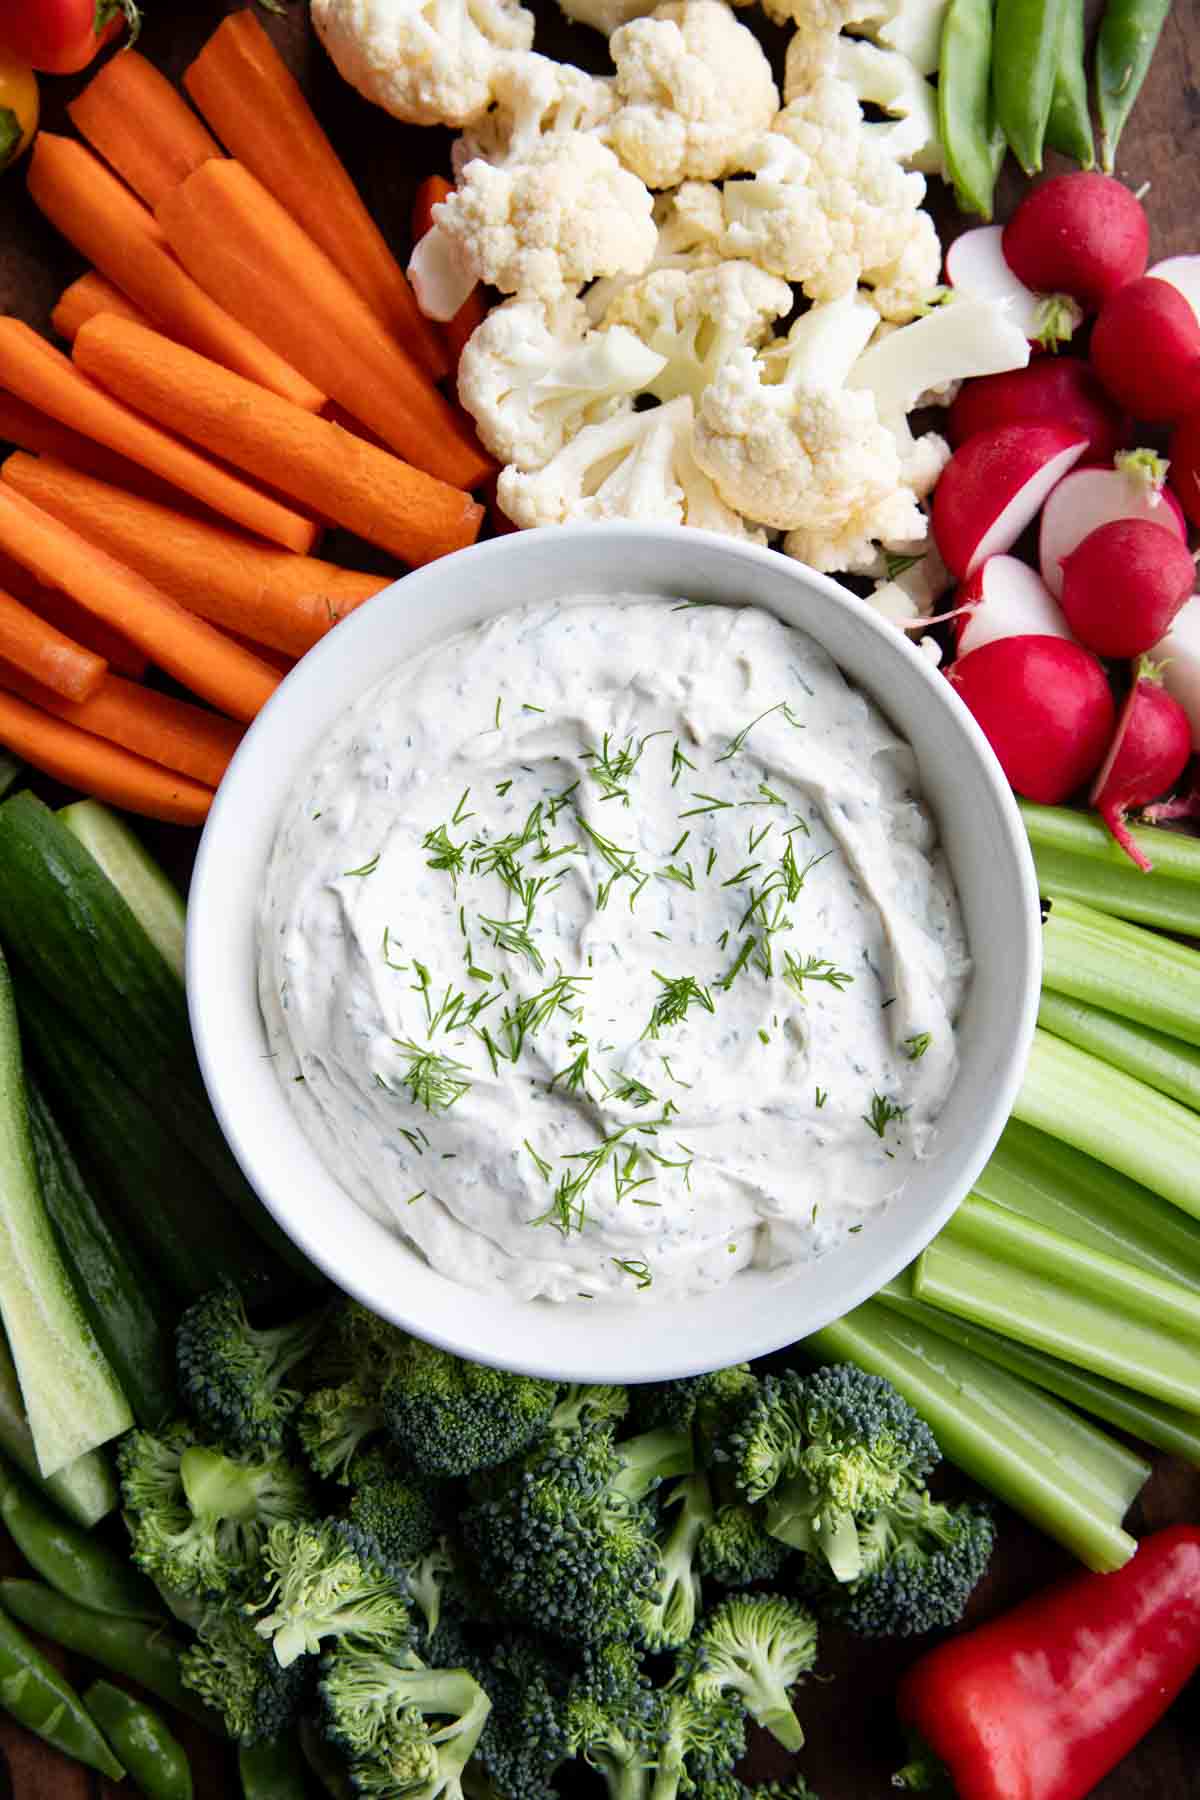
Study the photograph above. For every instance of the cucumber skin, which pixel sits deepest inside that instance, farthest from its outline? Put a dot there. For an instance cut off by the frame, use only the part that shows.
(154, 900)
(86, 1490)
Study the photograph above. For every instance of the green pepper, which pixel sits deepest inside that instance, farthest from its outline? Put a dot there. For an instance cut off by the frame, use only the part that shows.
(36, 1695)
(1129, 32)
(1069, 127)
(70, 1559)
(1024, 65)
(272, 1770)
(973, 148)
(155, 1759)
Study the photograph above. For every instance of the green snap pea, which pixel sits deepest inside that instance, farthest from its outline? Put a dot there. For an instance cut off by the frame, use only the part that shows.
(1069, 127)
(36, 1695)
(1129, 32)
(1024, 64)
(146, 1653)
(329, 1768)
(72, 1560)
(155, 1759)
(972, 147)
(272, 1770)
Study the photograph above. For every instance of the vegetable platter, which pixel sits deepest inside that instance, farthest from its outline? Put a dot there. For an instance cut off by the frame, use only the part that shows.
(851, 1735)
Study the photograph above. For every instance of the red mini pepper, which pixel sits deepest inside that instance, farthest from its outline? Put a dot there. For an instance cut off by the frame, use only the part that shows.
(1041, 1703)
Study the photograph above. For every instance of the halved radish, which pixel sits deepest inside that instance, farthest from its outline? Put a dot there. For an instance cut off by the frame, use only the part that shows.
(1178, 656)
(1146, 350)
(1058, 390)
(994, 486)
(1148, 754)
(1005, 598)
(1089, 498)
(1083, 234)
(1123, 585)
(1183, 273)
(1044, 706)
(975, 266)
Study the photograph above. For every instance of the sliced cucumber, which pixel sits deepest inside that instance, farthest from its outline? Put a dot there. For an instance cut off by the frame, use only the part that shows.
(151, 897)
(86, 1490)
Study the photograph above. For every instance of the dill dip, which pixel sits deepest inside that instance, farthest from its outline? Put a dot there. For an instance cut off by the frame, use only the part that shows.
(606, 950)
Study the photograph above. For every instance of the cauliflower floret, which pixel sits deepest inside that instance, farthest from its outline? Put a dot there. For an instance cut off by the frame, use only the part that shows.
(544, 226)
(532, 376)
(901, 289)
(533, 97)
(694, 318)
(776, 220)
(689, 222)
(963, 338)
(608, 15)
(623, 469)
(431, 62)
(912, 27)
(887, 80)
(696, 90)
(911, 580)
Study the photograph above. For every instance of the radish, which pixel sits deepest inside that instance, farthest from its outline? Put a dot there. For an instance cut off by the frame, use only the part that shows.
(975, 266)
(1123, 585)
(1178, 656)
(1081, 234)
(1045, 708)
(1148, 754)
(993, 487)
(1062, 390)
(1088, 498)
(1146, 350)
(1004, 598)
(1183, 273)
(1185, 465)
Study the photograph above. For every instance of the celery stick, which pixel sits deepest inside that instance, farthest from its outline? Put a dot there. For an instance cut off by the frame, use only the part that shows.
(1121, 967)
(1054, 1185)
(1080, 1100)
(1076, 857)
(1064, 1474)
(1160, 1061)
(1167, 1428)
(86, 1490)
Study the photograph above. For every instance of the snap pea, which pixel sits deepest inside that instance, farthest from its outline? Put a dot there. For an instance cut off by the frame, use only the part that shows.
(272, 1770)
(1024, 62)
(155, 1759)
(1069, 127)
(71, 1560)
(972, 147)
(36, 1695)
(1129, 32)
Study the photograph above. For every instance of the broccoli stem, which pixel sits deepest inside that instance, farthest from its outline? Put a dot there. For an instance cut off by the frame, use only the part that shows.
(217, 1488)
(653, 1457)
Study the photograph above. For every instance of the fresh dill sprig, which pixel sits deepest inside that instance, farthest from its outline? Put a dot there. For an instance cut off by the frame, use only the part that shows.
(743, 874)
(896, 564)
(736, 742)
(448, 855)
(679, 762)
(883, 1112)
(917, 1045)
(637, 1268)
(710, 804)
(684, 876)
(540, 1164)
(813, 968)
(458, 816)
(768, 797)
(611, 768)
(433, 1081)
(745, 951)
(671, 1075)
(530, 1014)
(679, 994)
(387, 954)
(574, 1075)
(512, 935)
(630, 1091)
(684, 1162)
(368, 868)
(822, 1097)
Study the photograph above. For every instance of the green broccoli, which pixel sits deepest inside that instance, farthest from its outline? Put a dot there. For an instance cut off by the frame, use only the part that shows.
(232, 1376)
(406, 1728)
(198, 1519)
(451, 1417)
(582, 1405)
(327, 1580)
(756, 1646)
(699, 1739)
(393, 1506)
(921, 1563)
(428, 1577)
(667, 1621)
(232, 1670)
(710, 1404)
(524, 1740)
(736, 1549)
(334, 1423)
(612, 1719)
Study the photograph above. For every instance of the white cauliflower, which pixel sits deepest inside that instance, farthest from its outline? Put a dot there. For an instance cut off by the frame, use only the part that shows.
(608, 15)
(777, 219)
(695, 318)
(689, 222)
(430, 62)
(911, 27)
(532, 376)
(695, 90)
(911, 579)
(884, 79)
(533, 97)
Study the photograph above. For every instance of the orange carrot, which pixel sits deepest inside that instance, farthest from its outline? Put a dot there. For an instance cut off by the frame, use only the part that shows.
(114, 230)
(189, 739)
(241, 245)
(473, 311)
(185, 646)
(142, 125)
(62, 612)
(467, 320)
(37, 432)
(252, 101)
(42, 377)
(41, 651)
(268, 595)
(278, 659)
(84, 761)
(90, 295)
(376, 495)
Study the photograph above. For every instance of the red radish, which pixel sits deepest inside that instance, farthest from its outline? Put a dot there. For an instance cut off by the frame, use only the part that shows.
(1178, 656)
(1185, 465)
(1148, 754)
(1059, 390)
(1123, 585)
(1089, 498)
(1081, 234)
(975, 266)
(1183, 273)
(1146, 350)
(1004, 598)
(993, 487)
(1044, 706)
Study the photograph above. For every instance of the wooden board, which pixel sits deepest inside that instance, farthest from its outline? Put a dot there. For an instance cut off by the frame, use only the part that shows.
(853, 1743)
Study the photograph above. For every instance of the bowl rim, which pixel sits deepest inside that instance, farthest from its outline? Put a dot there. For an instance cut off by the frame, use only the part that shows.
(451, 1328)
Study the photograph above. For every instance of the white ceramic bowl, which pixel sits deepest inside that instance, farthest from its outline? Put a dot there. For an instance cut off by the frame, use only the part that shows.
(755, 1313)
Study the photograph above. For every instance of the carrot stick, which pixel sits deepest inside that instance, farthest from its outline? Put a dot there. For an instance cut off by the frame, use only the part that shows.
(62, 612)
(142, 125)
(84, 761)
(269, 595)
(114, 230)
(189, 739)
(238, 241)
(90, 295)
(38, 433)
(41, 651)
(278, 659)
(252, 101)
(185, 646)
(42, 377)
(350, 481)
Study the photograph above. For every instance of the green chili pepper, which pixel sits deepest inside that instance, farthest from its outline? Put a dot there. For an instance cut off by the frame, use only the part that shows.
(1069, 127)
(973, 148)
(147, 1654)
(155, 1759)
(1024, 63)
(1129, 32)
(272, 1770)
(36, 1695)
(70, 1559)
(325, 1763)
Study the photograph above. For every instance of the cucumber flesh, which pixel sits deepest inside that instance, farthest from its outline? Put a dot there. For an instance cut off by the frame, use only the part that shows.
(150, 895)
(86, 1490)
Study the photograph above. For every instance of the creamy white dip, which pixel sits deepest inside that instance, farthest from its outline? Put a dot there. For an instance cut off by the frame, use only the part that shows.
(606, 950)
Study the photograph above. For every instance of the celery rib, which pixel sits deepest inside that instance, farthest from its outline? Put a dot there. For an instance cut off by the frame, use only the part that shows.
(1160, 1061)
(1122, 968)
(1075, 856)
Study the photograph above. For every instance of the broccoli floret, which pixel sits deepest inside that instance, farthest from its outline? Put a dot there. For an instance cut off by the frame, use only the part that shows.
(198, 1519)
(756, 1646)
(612, 1718)
(233, 1670)
(921, 1563)
(451, 1417)
(428, 1577)
(334, 1423)
(404, 1726)
(710, 1404)
(393, 1506)
(327, 1580)
(668, 1620)
(736, 1549)
(525, 1739)
(356, 1345)
(699, 1741)
(232, 1376)
(582, 1405)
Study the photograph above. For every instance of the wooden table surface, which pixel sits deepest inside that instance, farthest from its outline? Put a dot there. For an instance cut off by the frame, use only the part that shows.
(852, 1739)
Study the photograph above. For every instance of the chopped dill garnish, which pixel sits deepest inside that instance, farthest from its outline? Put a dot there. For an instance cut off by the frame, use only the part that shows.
(574, 1076)
(421, 985)
(918, 1044)
(633, 1265)
(680, 992)
(743, 874)
(738, 964)
(368, 868)
(631, 1091)
(756, 838)
(683, 876)
(502, 787)
(764, 1036)
(539, 1162)
(413, 1139)
(528, 1015)
(458, 816)
(711, 860)
(528, 706)
(897, 564)
(684, 1162)
(679, 763)
(433, 1081)
(387, 955)
(822, 1097)
(677, 846)
(447, 856)
(883, 1112)
(419, 1195)
(671, 1075)
(813, 968)
(496, 724)
(769, 797)
(556, 802)
(612, 768)
(735, 743)
(711, 804)
(512, 935)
